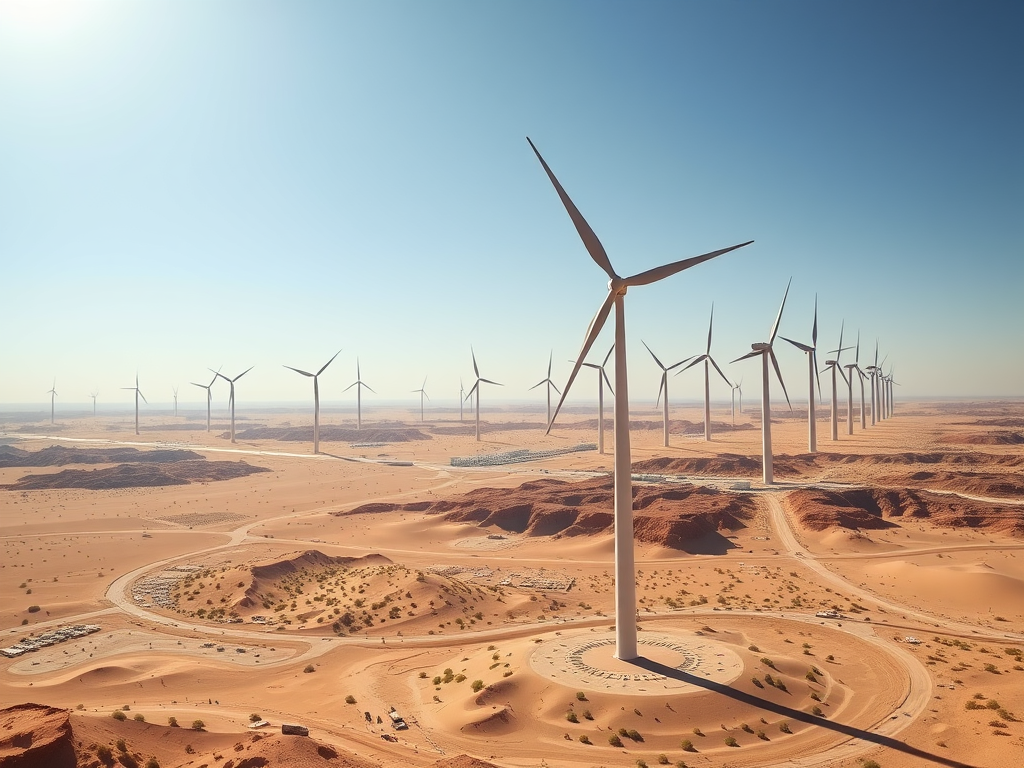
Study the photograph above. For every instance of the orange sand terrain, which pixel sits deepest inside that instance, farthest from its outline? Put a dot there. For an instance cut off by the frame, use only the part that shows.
(414, 597)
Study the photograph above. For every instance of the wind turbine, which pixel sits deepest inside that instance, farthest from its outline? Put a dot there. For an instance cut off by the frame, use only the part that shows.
(175, 400)
(834, 365)
(316, 398)
(890, 381)
(209, 395)
(358, 384)
(860, 378)
(736, 387)
(602, 377)
(138, 394)
(850, 368)
(550, 386)
(625, 574)
(663, 387)
(231, 399)
(707, 358)
(94, 395)
(873, 373)
(476, 388)
(764, 349)
(462, 396)
(52, 392)
(812, 374)
(423, 393)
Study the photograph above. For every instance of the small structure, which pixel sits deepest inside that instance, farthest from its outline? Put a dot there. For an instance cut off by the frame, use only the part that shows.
(912, 640)
(294, 730)
(397, 721)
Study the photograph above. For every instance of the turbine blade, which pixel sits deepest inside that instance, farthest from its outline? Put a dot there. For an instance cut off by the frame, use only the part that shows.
(659, 273)
(346, 389)
(550, 355)
(843, 375)
(798, 345)
(775, 328)
(856, 355)
(143, 398)
(592, 333)
(587, 235)
(473, 388)
(839, 352)
(748, 355)
(536, 385)
(304, 373)
(695, 361)
(554, 386)
(328, 363)
(724, 378)
(653, 355)
(661, 388)
(817, 373)
(607, 381)
(495, 383)
(476, 371)
(778, 373)
(710, 325)
(243, 373)
(368, 387)
(610, 350)
(814, 328)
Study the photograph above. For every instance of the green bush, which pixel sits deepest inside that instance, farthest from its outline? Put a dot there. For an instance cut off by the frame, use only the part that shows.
(614, 740)
(730, 742)
(255, 718)
(581, 696)
(584, 739)
(477, 685)
(198, 725)
(309, 668)
(172, 722)
(350, 699)
(121, 745)
(104, 753)
(139, 718)
(687, 746)
(119, 715)
(571, 717)
(784, 727)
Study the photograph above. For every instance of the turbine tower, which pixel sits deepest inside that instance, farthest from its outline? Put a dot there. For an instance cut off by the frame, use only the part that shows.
(663, 388)
(860, 378)
(462, 396)
(764, 349)
(52, 392)
(175, 400)
(476, 388)
(358, 384)
(812, 374)
(602, 377)
(873, 373)
(316, 398)
(625, 574)
(138, 394)
(707, 358)
(94, 395)
(423, 393)
(850, 368)
(231, 398)
(736, 387)
(209, 396)
(550, 386)
(834, 365)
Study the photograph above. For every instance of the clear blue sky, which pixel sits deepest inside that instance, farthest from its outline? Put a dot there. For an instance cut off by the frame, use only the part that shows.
(187, 185)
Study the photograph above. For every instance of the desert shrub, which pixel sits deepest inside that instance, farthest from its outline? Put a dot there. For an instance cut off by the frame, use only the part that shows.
(104, 753)
(584, 739)
(121, 745)
(757, 682)
(581, 696)
(614, 740)
(784, 727)
(423, 675)
(730, 742)
(255, 717)
(571, 717)
(687, 746)
(198, 725)
(697, 732)
(869, 764)
(810, 677)
(762, 736)
(641, 763)
(139, 718)
(119, 715)
(753, 648)
(634, 734)
(477, 685)
(172, 722)
(662, 759)
(436, 680)
(34, 609)
(309, 668)
(152, 763)
(587, 715)
(767, 662)
(350, 699)
(817, 710)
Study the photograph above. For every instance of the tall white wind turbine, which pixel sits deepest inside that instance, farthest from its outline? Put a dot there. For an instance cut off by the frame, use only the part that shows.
(359, 384)
(423, 394)
(706, 358)
(625, 574)
(764, 349)
(852, 368)
(663, 389)
(550, 386)
(175, 389)
(52, 392)
(735, 388)
(138, 394)
(860, 378)
(94, 395)
(812, 375)
(872, 371)
(602, 378)
(209, 396)
(232, 396)
(834, 365)
(316, 398)
(462, 396)
(476, 388)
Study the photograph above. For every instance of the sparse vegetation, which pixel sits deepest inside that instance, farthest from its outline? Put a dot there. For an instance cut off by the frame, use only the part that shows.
(119, 715)
(350, 699)
(730, 741)
(477, 685)
(198, 725)
(172, 722)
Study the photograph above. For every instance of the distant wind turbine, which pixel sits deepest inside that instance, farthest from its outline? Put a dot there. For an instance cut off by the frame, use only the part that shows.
(872, 371)
(175, 400)
(860, 377)
(358, 384)
(52, 392)
(663, 389)
(625, 573)
(812, 374)
(550, 386)
(737, 388)
(231, 398)
(476, 388)
(834, 365)
(94, 395)
(706, 358)
(423, 394)
(138, 394)
(602, 378)
(851, 368)
(209, 395)
(462, 396)
(316, 398)
(764, 349)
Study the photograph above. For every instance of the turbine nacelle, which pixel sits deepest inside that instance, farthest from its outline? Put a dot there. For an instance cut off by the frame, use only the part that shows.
(760, 346)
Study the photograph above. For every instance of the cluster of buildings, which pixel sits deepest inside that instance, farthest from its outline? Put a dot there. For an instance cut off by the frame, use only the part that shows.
(517, 456)
(50, 638)
(156, 590)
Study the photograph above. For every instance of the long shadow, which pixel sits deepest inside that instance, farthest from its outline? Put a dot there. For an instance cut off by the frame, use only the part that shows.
(793, 714)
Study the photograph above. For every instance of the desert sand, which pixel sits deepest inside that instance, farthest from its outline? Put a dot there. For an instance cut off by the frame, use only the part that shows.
(869, 606)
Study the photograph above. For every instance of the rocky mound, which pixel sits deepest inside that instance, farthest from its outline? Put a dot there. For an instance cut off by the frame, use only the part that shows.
(59, 456)
(334, 434)
(675, 516)
(1009, 486)
(462, 761)
(995, 437)
(32, 735)
(874, 508)
(137, 476)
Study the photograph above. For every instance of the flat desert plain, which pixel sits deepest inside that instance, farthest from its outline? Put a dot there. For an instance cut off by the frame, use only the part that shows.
(414, 597)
